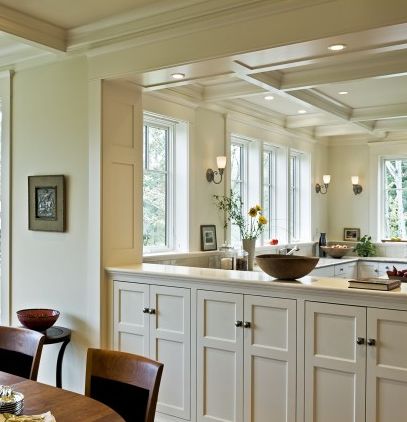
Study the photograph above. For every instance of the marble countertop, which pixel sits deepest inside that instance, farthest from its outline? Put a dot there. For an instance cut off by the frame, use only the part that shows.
(306, 284)
(327, 262)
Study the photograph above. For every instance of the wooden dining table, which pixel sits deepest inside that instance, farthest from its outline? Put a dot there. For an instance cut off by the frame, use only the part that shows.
(66, 406)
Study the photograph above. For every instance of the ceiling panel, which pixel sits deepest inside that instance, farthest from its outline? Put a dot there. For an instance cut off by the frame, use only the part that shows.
(281, 104)
(369, 92)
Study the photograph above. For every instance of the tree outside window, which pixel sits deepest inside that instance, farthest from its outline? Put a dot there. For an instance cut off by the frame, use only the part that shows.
(395, 198)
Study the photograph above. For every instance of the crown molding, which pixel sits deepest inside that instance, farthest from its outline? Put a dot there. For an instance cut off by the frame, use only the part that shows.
(33, 30)
(163, 22)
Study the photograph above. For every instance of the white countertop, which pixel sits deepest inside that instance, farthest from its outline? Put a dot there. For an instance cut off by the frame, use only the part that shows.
(326, 262)
(252, 278)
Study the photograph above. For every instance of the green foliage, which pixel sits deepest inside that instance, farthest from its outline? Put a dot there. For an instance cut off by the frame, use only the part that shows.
(250, 225)
(365, 247)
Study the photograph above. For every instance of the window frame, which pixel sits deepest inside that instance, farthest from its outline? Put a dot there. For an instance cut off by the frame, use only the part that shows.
(294, 190)
(159, 122)
(382, 195)
(271, 229)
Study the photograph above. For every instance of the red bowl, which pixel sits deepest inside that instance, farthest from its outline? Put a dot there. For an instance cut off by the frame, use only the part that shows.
(38, 319)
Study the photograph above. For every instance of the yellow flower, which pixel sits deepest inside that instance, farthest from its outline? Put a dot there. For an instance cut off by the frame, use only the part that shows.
(259, 208)
(252, 212)
(262, 219)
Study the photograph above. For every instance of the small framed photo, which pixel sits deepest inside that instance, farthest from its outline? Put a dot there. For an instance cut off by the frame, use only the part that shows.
(46, 203)
(208, 238)
(352, 235)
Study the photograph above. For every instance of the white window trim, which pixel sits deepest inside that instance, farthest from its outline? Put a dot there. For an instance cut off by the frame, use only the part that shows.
(244, 143)
(380, 205)
(271, 217)
(162, 122)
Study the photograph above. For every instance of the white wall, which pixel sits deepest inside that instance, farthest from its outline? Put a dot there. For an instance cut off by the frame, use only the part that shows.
(345, 209)
(50, 136)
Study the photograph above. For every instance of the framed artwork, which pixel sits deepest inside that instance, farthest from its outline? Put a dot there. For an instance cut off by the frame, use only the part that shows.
(351, 234)
(46, 203)
(208, 238)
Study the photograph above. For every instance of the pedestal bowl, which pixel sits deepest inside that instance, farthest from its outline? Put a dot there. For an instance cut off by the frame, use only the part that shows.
(335, 251)
(286, 267)
(37, 319)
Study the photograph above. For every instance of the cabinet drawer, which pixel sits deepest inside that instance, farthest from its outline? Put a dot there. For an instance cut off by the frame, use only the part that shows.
(346, 270)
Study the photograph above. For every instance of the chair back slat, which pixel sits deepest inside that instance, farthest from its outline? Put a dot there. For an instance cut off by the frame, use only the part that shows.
(125, 382)
(20, 351)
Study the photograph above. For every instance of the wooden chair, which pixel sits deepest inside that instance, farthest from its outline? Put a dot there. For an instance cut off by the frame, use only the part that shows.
(20, 351)
(125, 382)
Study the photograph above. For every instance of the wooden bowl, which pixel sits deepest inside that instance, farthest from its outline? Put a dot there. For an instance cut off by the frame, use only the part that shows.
(286, 267)
(37, 319)
(335, 252)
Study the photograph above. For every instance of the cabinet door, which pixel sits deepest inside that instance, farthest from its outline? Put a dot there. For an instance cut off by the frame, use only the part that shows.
(334, 363)
(220, 357)
(131, 325)
(386, 387)
(270, 359)
(170, 338)
(368, 269)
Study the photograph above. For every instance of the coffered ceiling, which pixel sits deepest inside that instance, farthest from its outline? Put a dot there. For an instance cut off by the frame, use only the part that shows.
(360, 91)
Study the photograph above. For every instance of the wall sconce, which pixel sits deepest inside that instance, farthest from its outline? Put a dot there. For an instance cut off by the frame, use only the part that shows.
(357, 189)
(323, 189)
(210, 174)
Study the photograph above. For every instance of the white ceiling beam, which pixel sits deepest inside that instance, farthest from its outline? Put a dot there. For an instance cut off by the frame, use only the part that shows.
(342, 72)
(34, 31)
(310, 120)
(336, 130)
(391, 111)
(231, 90)
(392, 125)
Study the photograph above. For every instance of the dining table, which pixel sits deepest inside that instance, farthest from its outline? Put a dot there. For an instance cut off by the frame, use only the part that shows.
(65, 406)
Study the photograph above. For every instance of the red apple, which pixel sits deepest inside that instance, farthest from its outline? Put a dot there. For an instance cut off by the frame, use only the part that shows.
(274, 242)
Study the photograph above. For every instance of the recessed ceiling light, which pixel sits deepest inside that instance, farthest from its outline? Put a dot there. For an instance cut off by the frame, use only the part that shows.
(343, 92)
(178, 75)
(269, 97)
(302, 111)
(337, 47)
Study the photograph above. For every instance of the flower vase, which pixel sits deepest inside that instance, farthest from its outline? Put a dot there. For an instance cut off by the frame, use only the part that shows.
(249, 245)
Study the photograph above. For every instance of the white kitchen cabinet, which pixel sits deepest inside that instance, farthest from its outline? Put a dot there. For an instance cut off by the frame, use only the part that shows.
(386, 386)
(154, 321)
(246, 358)
(323, 272)
(355, 354)
(346, 270)
(368, 269)
(334, 363)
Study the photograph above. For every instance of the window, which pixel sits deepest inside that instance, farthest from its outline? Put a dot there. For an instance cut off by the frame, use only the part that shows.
(238, 161)
(157, 192)
(395, 197)
(294, 196)
(269, 192)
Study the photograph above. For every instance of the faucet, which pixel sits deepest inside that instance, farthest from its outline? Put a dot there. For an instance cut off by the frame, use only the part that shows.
(287, 251)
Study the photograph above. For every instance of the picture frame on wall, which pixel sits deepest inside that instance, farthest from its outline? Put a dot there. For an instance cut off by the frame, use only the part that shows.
(351, 234)
(208, 238)
(46, 203)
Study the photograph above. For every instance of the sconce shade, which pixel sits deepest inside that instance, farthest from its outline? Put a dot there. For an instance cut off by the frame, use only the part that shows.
(326, 178)
(324, 188)
(357, 189)
(211, 174)
(221, 162)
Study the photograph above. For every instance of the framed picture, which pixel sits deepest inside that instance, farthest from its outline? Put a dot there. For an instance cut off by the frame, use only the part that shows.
(351, 234)
(46, 203)
(208, 238)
